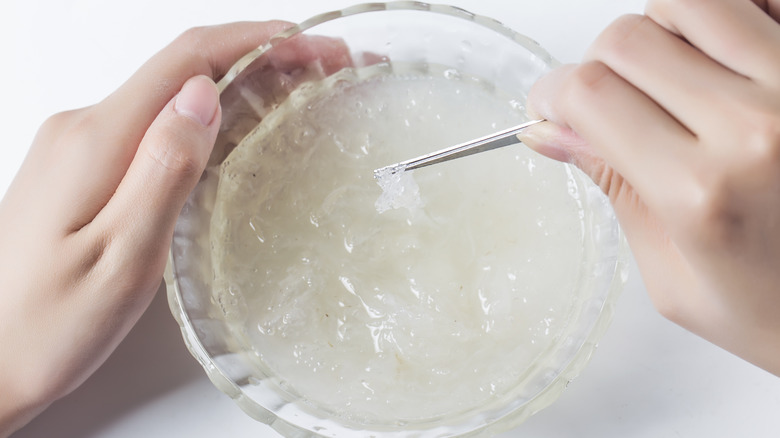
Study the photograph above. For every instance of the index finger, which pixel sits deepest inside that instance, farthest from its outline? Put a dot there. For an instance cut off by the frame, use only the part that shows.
(110, 132)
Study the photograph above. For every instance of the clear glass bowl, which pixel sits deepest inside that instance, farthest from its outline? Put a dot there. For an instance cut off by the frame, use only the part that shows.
(382, 37)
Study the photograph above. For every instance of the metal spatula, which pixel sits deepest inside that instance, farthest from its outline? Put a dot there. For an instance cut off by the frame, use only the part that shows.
(492, 141)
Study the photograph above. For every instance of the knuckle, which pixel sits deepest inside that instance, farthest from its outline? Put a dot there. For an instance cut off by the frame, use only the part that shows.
(667, 13)
(195, 43)
(724, 192)
(660, 8)
(56, 122)
(676, 6)
(587, 77)
(193, 37)
(66, 122)
(61, 131)
(653, 6)
(715, 217)
(618, 39)
(168, 152)
(579, 87)
(762, 142)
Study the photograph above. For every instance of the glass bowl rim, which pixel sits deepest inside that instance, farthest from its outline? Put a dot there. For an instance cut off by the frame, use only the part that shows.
(531, 45)
(550, 393)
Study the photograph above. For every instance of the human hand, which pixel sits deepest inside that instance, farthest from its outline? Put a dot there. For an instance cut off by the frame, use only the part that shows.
(86, 224)
(676, 115)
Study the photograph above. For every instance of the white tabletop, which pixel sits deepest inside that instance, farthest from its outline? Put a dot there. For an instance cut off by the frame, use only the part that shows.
(649, 378)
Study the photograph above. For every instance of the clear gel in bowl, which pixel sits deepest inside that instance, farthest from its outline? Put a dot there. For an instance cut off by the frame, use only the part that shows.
(458, 309)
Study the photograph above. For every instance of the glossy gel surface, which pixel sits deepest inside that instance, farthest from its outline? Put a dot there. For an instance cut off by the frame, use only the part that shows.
(430, 305)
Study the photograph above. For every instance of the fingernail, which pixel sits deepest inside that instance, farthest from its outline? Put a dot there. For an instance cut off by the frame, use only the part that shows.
(545, 138)
(198, 100)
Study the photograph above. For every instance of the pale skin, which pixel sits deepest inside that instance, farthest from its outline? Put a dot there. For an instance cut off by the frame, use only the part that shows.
(676, 115)
(86, 224)
(669, 113)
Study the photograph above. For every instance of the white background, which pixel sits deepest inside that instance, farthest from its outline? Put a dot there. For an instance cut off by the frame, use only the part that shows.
(648, 378)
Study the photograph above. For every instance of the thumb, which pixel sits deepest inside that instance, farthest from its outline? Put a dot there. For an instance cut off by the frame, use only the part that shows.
(168, 163)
